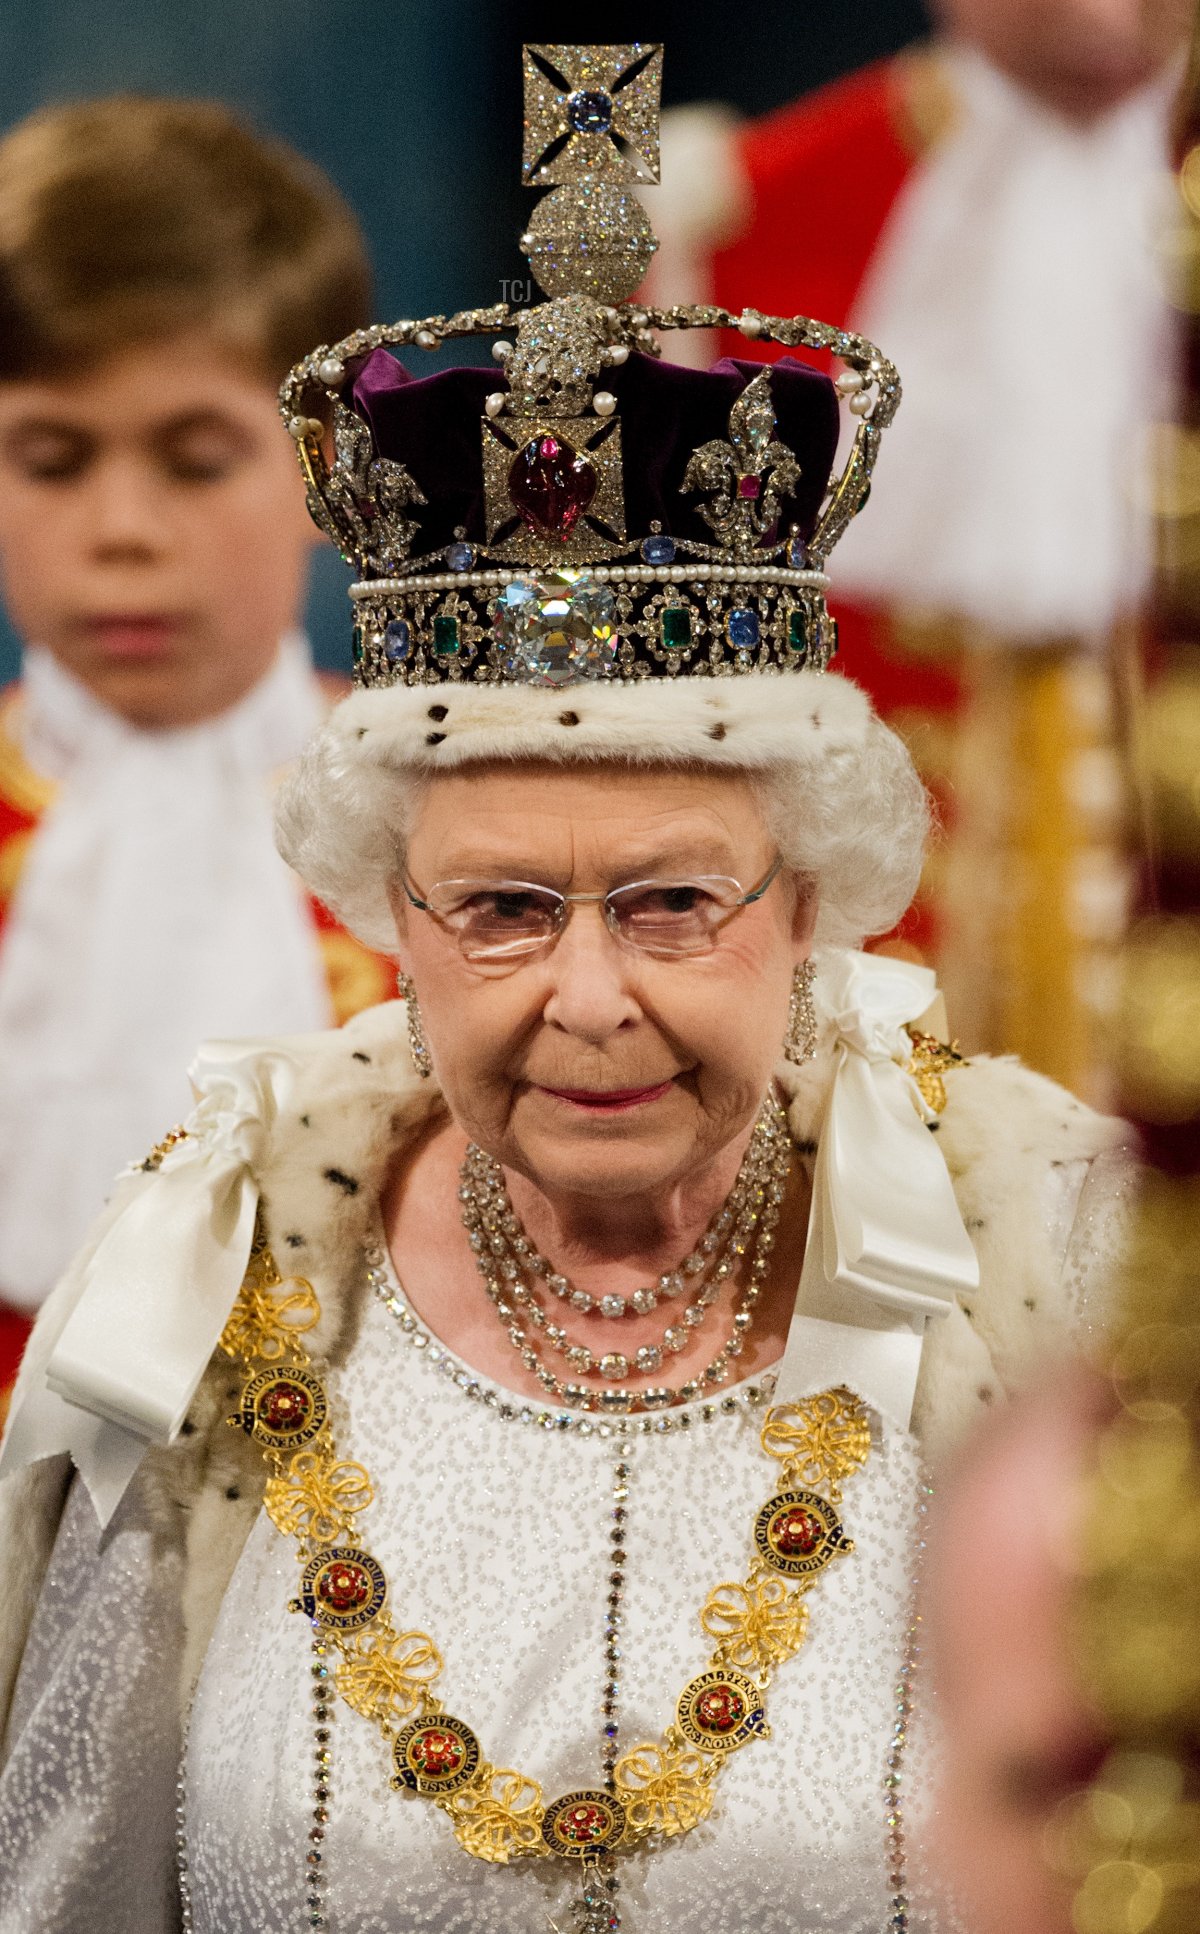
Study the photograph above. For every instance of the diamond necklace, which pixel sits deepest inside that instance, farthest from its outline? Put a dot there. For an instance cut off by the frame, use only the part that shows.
(743, 1227)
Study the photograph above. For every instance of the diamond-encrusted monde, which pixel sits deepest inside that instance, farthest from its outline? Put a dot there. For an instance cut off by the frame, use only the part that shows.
(551, 451)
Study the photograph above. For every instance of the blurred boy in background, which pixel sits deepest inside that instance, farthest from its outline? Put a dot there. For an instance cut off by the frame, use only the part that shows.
(161, 267)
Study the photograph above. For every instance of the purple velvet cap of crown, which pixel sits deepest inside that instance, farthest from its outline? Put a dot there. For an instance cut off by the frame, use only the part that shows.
(431, 425)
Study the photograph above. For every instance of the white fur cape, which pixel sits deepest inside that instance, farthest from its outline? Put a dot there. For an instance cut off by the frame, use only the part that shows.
(357, 1102)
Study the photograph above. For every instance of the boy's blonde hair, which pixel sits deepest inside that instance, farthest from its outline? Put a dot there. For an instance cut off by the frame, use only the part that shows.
(127, 220)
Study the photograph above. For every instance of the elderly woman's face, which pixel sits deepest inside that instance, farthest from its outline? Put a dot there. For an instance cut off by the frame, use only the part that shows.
(593, 1067)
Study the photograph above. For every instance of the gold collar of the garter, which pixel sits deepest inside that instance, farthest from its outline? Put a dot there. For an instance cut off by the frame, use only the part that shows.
(388, 1674)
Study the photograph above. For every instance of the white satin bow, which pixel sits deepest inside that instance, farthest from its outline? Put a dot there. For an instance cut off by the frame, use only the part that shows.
(140, 1312)
(886, 1244)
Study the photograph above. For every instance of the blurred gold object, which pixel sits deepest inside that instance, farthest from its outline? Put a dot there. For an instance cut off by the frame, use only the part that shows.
(1159, 1044)
(1133, 1838)
(1131, 1841)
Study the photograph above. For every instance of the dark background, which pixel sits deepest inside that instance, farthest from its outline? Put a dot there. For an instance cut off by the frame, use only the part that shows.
(414, 109)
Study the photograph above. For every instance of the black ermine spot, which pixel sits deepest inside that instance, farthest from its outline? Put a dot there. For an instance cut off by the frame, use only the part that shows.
(342, 1181)
(437, 713)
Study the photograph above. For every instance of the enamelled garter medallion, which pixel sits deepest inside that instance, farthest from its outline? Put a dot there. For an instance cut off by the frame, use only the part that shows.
(434, 1755)
(282, 1409)
(583, 1824)
(797, 1533)
(719, 1711)
(343, 1588)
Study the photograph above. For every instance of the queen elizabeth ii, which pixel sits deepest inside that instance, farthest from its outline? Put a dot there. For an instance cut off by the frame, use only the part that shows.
(587, 1317)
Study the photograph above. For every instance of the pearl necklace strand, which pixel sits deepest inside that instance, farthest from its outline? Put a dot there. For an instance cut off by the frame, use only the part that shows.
(510, 1266)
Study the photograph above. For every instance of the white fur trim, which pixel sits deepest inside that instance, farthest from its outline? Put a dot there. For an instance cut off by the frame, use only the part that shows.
(747, 721)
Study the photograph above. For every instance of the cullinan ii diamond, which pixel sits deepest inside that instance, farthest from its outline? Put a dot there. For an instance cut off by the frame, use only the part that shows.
(557, 627)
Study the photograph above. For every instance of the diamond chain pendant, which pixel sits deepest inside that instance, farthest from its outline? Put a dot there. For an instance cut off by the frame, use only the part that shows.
(594, 1911)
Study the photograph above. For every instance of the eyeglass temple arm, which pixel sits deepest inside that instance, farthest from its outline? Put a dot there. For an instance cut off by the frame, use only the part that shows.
(763, 884)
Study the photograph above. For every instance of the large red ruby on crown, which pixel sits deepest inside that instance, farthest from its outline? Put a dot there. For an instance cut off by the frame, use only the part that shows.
(551, 486)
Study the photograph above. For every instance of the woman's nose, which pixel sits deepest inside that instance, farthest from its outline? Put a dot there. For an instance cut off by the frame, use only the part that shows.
(592, 992)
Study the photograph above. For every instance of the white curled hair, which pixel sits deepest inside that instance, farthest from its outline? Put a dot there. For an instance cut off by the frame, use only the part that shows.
(849, 814)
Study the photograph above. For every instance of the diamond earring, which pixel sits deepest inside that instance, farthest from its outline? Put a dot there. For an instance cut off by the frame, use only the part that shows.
(800, 1041)
(417, 1044)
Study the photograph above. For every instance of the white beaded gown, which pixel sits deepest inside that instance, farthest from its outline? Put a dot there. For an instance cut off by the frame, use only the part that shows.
(495, 1525)
(498, 1535)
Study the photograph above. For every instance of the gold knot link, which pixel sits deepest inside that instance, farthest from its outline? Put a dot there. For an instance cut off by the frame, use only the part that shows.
(385, 1674)
(499, 1815)
(319, 1496)
(821, 1441)
(262, 1324)
(757, 1625)
(664, 1789)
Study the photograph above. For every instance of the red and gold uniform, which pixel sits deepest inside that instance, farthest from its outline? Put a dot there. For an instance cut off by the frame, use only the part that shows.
(1016, 746)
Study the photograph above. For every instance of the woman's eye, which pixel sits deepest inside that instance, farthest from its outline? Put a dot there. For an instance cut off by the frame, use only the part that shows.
(514, 906)
(664, 903)
(506, 909)
(680, 899)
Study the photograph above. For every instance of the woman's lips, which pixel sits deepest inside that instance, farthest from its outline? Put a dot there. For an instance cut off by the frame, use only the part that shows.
(608, 1101)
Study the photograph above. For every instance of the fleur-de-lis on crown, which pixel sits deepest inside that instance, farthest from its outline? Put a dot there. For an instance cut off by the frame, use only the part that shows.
(749, 477)
(362, 505)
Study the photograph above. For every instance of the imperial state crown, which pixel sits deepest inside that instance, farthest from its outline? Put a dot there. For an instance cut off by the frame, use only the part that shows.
(592, 512)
